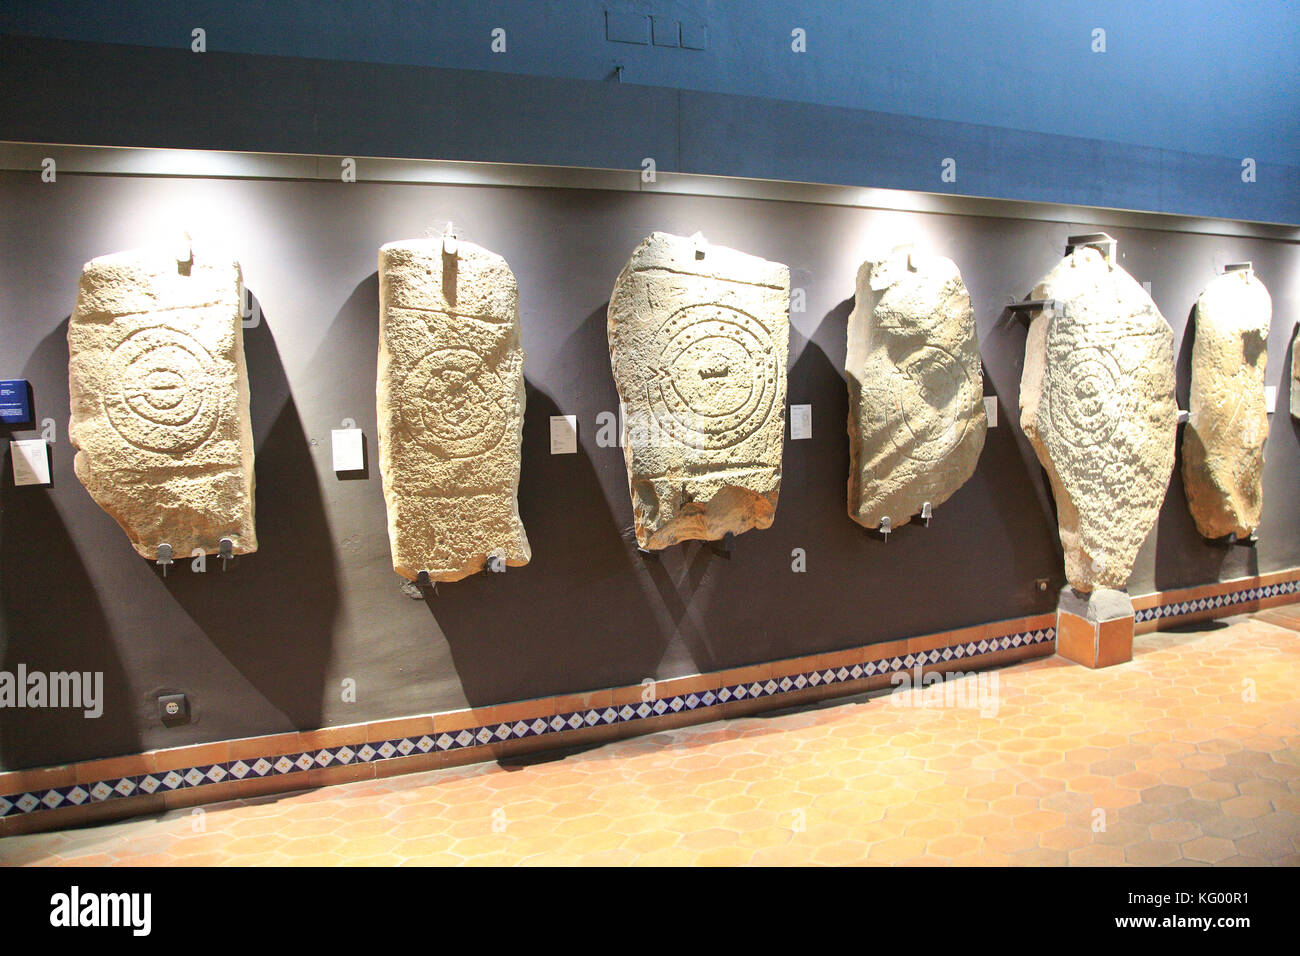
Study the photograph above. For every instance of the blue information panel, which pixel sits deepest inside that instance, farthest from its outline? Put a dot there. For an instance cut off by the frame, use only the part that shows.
(15, 405)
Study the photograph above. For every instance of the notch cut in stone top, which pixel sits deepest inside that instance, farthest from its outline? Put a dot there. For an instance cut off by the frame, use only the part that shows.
(916, 420)
(450, 396)
(698, 337)
(160, 398)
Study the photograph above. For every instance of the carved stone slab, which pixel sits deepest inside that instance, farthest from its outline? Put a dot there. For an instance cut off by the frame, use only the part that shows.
(1223, 441)
(450, 396)
(698, 336)
(916, 389)
(159, 394)
(1295, 374)
(1097, 403)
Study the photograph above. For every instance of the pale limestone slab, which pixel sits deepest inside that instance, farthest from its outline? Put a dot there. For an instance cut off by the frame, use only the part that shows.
(1295, 374)
(1223, 441)
(1097, 404)
(698, 336)
(916, 388)
(160, 398)
(450, 397)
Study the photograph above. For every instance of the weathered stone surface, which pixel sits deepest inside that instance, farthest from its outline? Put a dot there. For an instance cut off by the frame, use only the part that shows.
(916, 388)
(1097, 403)
(1223, 441)
(160, 398)
(698, 336)
(450, 395)
(1295, 374)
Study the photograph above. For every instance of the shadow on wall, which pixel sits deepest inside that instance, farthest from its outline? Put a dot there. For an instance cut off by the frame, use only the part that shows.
(272, 613)
(1011, 472)
(578, 581)
(720, 615)
(42, 569)
(598, 621)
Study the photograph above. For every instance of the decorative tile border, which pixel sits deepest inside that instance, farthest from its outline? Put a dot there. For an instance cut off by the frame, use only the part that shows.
(468, 738)
(546, 719)
(1214, 602)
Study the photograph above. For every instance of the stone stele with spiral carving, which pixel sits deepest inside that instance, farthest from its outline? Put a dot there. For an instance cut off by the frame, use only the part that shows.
(698, 336)
(1097, 403)
(450, 396)
(160, 396)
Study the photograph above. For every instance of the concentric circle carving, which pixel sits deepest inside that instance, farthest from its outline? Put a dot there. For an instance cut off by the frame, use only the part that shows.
(717, 376)
(450, 403)
(167, 397)
(1087, 397)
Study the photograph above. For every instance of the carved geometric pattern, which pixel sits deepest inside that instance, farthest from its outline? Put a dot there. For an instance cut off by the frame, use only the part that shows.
(167, 398)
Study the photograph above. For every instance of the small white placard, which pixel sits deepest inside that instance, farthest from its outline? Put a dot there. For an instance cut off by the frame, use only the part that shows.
(800, 422)
(31, 461)
(991, 410)
(564, 434)
(1270, 398)
(349, 454)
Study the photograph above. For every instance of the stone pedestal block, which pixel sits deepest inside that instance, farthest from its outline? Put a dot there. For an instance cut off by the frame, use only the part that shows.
(1096, 629)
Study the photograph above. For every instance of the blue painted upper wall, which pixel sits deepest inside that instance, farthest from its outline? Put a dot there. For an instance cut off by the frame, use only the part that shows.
(1217, 79)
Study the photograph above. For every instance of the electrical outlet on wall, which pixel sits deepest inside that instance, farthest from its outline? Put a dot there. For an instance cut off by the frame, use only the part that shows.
(173, 709)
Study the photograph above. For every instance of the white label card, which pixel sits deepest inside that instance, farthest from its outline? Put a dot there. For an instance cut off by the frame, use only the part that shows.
(800, 422)
(349, 453)
(991, 410)
(31, 461)
(1270, 398)
(564, 434)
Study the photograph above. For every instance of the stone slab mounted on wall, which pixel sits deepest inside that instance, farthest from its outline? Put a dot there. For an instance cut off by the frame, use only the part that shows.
(1097, 404)
(698, 336)
(1295, 374)
(1223, 441)
(160, 398)
(916, 389)
(450, 395)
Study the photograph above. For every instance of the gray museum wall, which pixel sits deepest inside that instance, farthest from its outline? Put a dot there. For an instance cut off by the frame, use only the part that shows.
(266, 645)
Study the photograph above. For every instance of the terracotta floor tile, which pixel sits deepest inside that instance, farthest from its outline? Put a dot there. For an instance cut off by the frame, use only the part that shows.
(1160, 753)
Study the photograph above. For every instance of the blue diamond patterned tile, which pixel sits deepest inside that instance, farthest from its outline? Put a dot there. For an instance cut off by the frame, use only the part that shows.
(100, 791)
